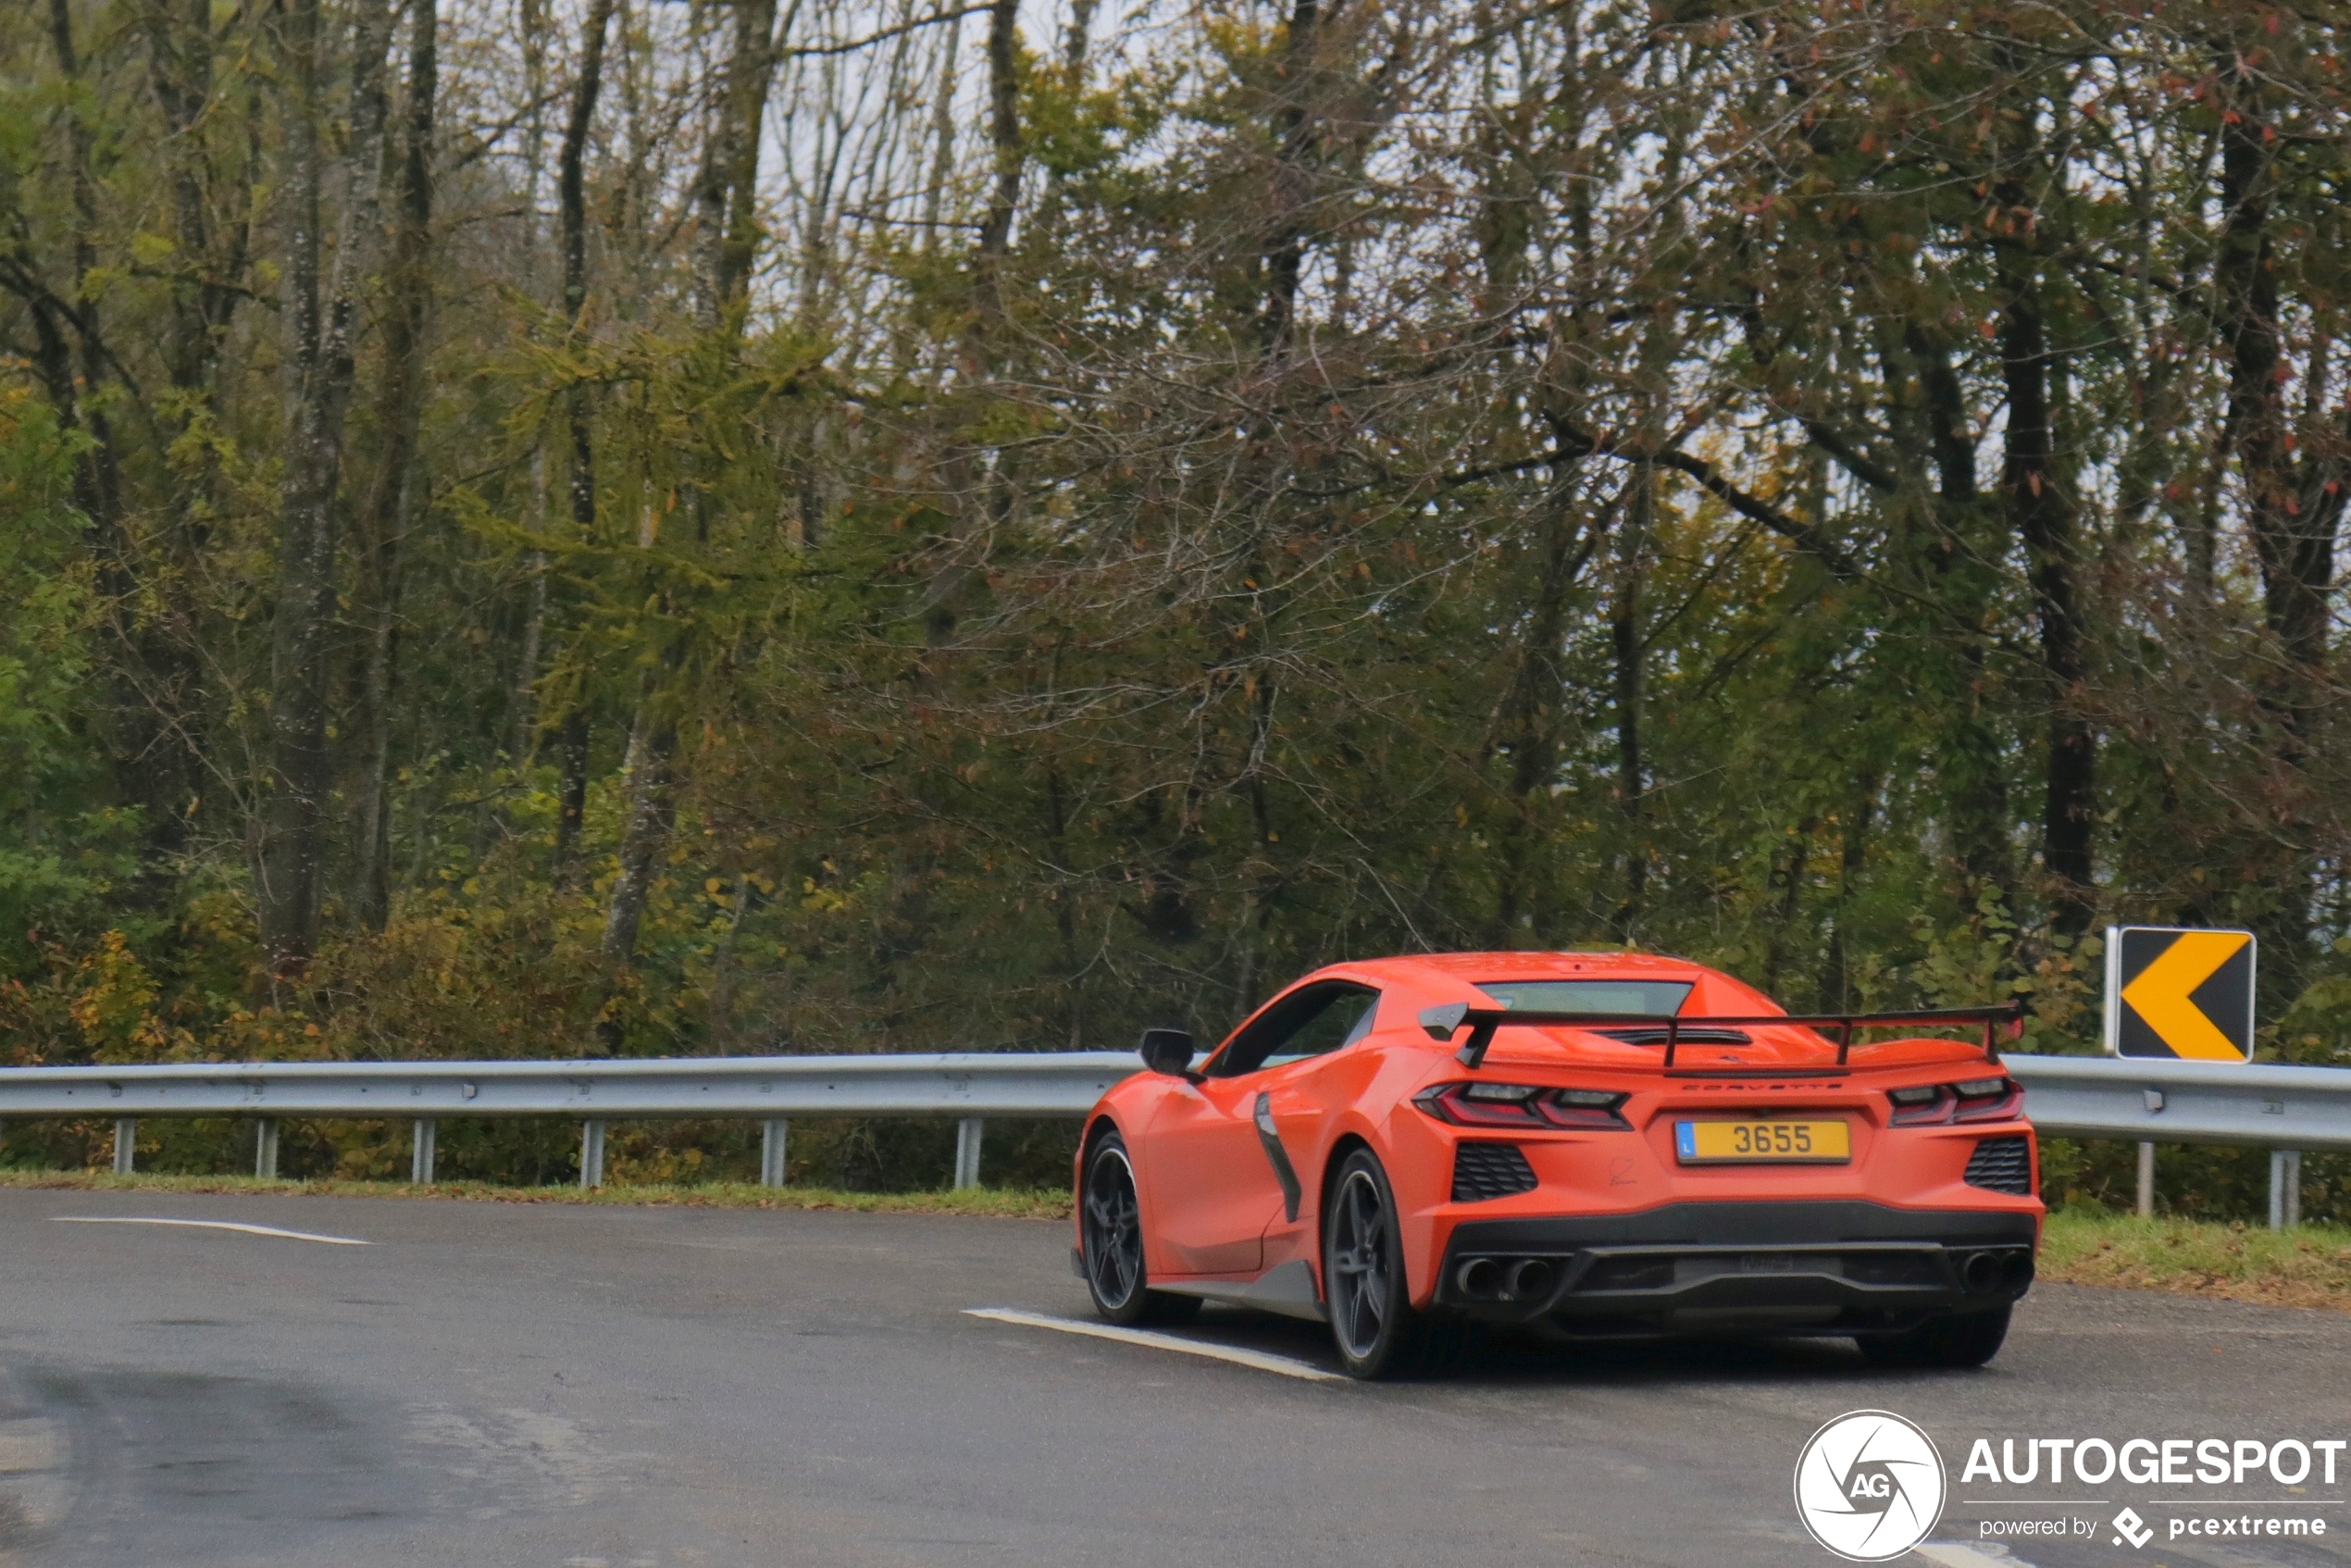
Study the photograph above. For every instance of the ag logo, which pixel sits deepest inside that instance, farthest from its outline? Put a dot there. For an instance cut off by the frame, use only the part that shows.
(1869, 1486)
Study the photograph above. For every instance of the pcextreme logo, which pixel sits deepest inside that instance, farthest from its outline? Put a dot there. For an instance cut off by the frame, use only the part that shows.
(1869, 1486)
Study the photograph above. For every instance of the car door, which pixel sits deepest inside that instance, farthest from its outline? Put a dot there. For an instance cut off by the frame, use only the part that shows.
(1212, 1184)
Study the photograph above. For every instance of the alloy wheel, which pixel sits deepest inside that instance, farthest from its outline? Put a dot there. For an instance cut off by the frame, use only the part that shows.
(1361, 1265)
(1114, 1230)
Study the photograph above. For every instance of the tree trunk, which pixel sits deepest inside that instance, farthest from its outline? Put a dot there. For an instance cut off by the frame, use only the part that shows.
(727, 186)
(390, 509)
(650, 746)
(169, 759)
(1852, 861)
(1968, 760)
(1296, 128)
(522, 711)
(572, 741)
(728, 243)
(102, 494)
(1531, 710)
(1631, 661)
(2042, 516)
(1786, 879)
(320, 366)
(580, 408)
(2292, 521)
(970, 497)
(148, 726)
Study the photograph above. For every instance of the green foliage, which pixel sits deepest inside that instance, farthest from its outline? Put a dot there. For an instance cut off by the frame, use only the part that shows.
(1404, 479)
(62, 854)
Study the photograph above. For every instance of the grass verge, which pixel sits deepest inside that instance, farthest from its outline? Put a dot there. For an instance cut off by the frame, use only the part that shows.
(2306, 1267)
(1000, 1202)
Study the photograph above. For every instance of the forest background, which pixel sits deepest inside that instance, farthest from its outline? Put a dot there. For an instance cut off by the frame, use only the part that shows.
(549, 528)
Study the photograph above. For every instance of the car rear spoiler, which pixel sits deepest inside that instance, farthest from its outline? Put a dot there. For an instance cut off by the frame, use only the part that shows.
(1443, 1022)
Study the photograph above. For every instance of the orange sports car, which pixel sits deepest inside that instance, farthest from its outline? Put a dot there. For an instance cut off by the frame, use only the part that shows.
(1582, 1144)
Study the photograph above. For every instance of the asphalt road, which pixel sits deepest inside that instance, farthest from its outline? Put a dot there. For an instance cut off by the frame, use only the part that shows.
(491, 1385)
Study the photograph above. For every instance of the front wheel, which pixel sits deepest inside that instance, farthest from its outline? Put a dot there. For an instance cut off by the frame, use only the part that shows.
(1961, 1340)
(1377, 1333)
(1111, 1246)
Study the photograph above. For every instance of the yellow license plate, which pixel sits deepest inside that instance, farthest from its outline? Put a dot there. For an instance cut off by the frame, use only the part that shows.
(1715, 1143)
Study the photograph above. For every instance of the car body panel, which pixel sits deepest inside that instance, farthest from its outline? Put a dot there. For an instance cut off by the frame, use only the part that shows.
(1215, 1217)
(1206, 1183)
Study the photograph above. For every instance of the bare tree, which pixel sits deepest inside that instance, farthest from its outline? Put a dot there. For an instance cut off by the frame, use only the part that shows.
(320, 365)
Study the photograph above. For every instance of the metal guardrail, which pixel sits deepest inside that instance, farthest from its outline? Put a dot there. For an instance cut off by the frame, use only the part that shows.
(968, 1085)
(1028, 1084)
(2284, 1109)
(2187, 1102)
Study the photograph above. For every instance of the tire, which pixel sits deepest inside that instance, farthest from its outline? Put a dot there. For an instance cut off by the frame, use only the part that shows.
(1111, 1250)
(1958, 1342)
(1373, 1328)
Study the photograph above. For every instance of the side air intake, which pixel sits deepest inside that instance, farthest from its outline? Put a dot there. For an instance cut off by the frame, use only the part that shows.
(1489, 1170)
(1998, 1164)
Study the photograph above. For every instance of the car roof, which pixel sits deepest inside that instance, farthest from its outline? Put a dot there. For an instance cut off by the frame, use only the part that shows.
(1449, 976)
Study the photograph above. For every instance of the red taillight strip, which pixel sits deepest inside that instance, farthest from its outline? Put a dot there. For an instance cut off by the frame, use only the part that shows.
(1528, 1107)
(1948, 1105)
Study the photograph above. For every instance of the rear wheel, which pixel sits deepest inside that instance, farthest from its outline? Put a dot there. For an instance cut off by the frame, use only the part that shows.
(1111, 1246)
(1377, 1333)
(1962, 1339)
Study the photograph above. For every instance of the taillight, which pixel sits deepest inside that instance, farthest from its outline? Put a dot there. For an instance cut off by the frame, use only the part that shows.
(1976, 1100)
(1522, 1106)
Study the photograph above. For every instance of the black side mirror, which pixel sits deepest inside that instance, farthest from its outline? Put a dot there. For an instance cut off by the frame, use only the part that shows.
(1168, 1050)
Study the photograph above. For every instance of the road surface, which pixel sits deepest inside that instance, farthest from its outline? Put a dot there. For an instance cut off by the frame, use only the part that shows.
(488, 1384)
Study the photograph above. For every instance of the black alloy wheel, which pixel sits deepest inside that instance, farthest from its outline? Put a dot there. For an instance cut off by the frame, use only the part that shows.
(1112, 1243)
(1377, 1333)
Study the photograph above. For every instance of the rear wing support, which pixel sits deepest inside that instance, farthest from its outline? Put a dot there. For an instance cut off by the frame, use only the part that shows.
(1443, 1022)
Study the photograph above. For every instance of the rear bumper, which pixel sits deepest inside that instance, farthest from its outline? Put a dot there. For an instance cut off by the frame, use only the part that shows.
(1823, 1267)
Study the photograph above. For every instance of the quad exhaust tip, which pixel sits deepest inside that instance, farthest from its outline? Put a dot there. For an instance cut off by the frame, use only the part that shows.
(1481, 1278)
(2007, 1268)
(1531, 1277)
(1506, 1279)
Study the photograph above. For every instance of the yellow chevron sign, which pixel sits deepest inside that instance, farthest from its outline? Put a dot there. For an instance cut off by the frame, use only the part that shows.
(2178, 992)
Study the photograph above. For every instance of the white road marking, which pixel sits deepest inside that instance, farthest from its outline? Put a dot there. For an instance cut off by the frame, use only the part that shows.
(1951, 1554)
(1157, 1341)
(213, 1225)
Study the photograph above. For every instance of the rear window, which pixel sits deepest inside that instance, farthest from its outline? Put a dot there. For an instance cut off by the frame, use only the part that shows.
(1644, 999)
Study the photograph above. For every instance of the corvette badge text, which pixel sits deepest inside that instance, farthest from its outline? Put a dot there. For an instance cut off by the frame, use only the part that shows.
(1870, 1484)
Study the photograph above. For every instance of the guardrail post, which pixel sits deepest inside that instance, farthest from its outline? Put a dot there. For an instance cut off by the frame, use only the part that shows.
(420, 1151)
(591, 1154)
(2285, 1189)
(967, 1135)
(2147, 1181)
(126, 1140)
(265, 1148)
(771, 1151)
